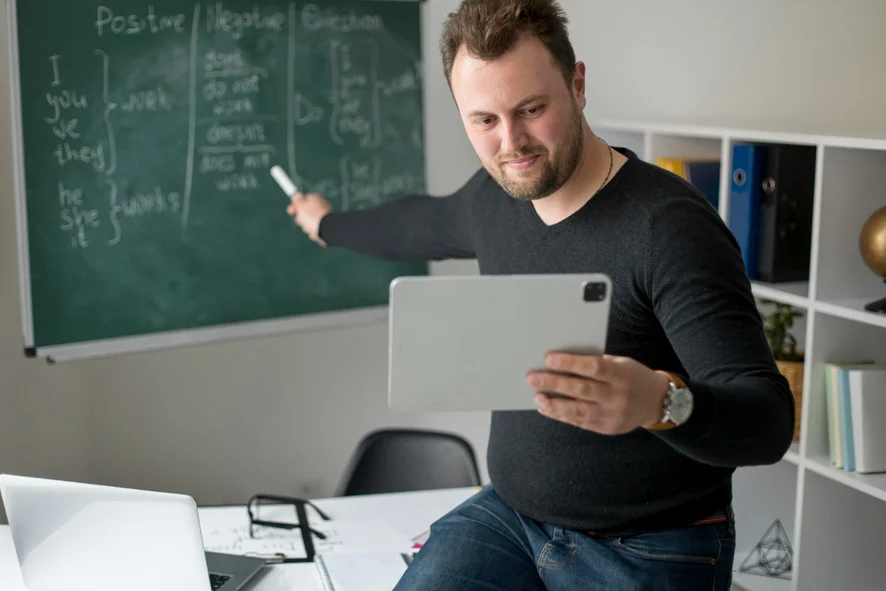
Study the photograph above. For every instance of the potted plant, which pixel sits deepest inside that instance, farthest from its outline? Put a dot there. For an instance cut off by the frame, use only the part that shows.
(777, 325)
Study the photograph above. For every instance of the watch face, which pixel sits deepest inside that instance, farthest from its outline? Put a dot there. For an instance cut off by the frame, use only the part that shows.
(681, 406)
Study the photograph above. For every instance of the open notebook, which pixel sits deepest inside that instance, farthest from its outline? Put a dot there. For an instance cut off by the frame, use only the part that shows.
(375, 571)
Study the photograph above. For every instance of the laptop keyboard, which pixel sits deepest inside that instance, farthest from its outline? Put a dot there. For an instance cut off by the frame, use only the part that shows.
(217, 581)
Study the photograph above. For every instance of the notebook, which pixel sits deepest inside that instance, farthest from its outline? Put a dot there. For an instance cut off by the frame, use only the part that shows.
(375, 571)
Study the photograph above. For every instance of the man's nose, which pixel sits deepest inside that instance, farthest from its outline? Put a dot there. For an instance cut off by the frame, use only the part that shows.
(514, 137)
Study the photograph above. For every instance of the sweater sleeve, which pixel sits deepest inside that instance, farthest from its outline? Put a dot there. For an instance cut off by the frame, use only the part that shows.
(743, 410)
(413, 227)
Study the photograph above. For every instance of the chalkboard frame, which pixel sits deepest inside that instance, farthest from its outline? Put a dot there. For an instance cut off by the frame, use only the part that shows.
(220, 333)
(18, 168)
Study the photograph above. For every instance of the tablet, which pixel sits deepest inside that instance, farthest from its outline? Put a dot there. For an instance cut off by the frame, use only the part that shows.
(466, 343)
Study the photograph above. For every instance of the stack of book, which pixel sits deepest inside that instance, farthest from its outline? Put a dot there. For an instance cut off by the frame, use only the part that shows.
(856, 410)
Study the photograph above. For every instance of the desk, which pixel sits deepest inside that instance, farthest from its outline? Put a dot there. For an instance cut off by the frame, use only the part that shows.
(410, 513)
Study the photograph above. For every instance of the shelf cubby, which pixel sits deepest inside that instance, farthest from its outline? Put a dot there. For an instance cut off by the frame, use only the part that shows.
(840, 539)
(835, 340)
(853, 188)
(762, 495)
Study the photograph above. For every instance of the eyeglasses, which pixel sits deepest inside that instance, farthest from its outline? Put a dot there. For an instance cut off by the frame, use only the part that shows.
(261, 508)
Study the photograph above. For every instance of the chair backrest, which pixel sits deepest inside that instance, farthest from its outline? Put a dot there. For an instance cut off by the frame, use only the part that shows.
(398, 460)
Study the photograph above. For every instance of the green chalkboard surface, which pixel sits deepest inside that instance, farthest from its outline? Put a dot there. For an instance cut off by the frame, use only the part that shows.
(148, 130)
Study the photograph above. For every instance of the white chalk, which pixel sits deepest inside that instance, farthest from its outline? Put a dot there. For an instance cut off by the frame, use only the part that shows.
(284, 181)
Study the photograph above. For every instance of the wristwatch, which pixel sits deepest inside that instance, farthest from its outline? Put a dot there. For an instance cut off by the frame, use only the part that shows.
(677, 407)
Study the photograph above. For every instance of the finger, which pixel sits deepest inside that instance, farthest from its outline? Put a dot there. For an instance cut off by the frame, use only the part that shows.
(575, 412)
(597, 367)
(568, 385)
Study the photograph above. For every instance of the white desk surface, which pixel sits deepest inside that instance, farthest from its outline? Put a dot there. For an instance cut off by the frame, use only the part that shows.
(410, 513)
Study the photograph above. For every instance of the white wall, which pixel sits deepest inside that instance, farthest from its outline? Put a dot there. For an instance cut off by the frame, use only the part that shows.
(789, 64)
(44, 411)
(281, 414)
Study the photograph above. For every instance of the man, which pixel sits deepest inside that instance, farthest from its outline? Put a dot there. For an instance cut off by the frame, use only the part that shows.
(626, 484)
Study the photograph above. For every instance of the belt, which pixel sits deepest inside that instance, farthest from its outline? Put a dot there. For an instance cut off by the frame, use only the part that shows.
(721, 516)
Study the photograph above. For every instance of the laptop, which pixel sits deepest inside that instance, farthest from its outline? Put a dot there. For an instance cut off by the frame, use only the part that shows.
(72, 536)
(466, 343)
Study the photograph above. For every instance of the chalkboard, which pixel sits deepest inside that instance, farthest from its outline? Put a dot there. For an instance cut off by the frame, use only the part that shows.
(147, 132)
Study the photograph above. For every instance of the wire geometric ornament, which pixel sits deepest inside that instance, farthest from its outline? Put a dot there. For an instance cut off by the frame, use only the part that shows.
(773, 554)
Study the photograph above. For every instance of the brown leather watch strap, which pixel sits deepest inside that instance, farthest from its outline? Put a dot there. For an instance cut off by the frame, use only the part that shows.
(659, 425)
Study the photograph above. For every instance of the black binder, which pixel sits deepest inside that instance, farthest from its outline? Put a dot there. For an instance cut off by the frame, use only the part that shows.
(785, 239)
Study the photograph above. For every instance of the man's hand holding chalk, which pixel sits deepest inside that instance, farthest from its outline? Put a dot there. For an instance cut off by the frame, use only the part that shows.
(307, 209)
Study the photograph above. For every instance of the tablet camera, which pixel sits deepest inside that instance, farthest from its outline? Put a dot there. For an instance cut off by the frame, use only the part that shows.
(594, 291)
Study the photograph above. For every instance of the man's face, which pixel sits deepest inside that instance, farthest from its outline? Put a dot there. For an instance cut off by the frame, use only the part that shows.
(521, 118)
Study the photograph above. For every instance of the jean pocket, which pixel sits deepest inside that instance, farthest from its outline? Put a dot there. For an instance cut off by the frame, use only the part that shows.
(561, 549)
(699, 544)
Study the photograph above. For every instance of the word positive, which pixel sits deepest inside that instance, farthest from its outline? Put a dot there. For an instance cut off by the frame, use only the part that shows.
(133, 24)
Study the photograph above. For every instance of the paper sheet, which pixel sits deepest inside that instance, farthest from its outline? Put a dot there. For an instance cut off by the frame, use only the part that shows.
(227, 530)
(361, 572)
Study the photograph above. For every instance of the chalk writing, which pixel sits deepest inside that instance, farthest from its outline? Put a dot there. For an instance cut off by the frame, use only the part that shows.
(232, 107)
(257, 161)
(56, 79)
(217, 163)
(246, 181)
(314, 18)
(93, 155)
(247, 85)
(66, 129)
(114, 212)
(60, 102)
(237, 132)
(219, 18)
(234, 142)
(305, 112)
(354, 94)
(147, 101)
(408, 81)
(132, 24)
(215, 61)
(234, 113)
(75, 216)
(363, 183)
(109, 107)
(156, 202)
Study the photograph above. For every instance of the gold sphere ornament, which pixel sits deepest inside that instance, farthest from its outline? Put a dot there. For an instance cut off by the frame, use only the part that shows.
(872, 243)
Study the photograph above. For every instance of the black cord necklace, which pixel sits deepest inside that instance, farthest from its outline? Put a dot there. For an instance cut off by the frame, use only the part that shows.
(609, 148)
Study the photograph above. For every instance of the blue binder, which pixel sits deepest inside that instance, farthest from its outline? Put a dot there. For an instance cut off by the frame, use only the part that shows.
(705, 176)
(745, 197)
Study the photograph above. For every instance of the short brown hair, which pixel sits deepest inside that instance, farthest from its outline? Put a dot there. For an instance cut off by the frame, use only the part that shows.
(490, 28)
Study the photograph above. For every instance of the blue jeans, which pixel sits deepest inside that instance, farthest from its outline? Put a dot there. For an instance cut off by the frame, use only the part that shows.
(485, 545)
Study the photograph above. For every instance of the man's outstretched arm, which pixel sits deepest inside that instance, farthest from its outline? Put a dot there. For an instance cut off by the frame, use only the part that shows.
(413, 227)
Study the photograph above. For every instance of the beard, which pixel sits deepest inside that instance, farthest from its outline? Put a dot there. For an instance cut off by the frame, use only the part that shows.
(555, 170)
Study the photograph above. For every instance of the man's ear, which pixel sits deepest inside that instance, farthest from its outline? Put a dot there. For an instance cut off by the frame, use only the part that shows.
(578, 85)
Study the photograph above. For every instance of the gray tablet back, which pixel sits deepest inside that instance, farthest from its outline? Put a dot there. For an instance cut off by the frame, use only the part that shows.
(467, 342)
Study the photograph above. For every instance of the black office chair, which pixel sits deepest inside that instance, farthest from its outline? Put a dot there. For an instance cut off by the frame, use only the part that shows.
(398, 460)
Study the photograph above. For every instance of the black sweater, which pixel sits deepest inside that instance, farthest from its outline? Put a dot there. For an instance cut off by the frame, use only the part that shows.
(682, 302)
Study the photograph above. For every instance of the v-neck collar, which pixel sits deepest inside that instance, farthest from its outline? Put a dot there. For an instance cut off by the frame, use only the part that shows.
(604, 193)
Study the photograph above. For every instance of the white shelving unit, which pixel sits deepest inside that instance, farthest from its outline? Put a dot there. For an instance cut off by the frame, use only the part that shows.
(835, 520)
